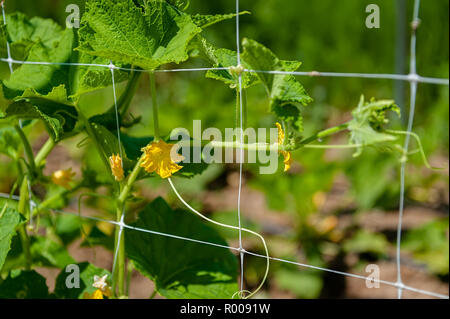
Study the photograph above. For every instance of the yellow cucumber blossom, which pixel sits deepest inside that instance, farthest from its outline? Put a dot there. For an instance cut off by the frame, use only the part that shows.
(115, 161)
(287, 155)
(159, 158)
(102, 288)
(63, 177)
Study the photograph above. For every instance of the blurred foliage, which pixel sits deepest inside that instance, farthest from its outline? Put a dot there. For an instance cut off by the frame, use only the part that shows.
(429, 244)
(326, 35)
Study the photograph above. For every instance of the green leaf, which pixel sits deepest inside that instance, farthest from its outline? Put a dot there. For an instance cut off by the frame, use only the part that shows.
(42, 40)
(147, 37)
(368, 120)
(10, 143)
(53, 109)
(285, 92)
(110, 145)
(10, 219)
(48, 253)
(87, 273)
(24, 285)
(181, 269)
(85, 79)
(204, 21)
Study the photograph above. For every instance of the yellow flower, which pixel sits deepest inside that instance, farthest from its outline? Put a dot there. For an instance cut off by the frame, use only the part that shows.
(102, 288)
(97, 294)
(287, 155)
(115, 161)
(158, 158)
(63, 178)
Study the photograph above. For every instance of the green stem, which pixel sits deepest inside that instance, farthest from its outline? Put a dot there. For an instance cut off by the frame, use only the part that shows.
(48, 202)
(44, 151)
(126, 98)
(120, 266)
(130, 181)
(23, 209)
(119, 275)
(90, 132)
(129, 275)
(27, 147)
(324, 133)
(244, 108)
(154, 105)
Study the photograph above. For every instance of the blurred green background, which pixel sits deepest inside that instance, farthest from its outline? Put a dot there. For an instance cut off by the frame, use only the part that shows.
(333, 210)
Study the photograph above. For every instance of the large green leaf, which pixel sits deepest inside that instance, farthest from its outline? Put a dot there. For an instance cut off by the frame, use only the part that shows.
(146, 37)
(87, 273)
(9, 220)
(181, 269)
(42, 40)
(24, 285)
(53, 109)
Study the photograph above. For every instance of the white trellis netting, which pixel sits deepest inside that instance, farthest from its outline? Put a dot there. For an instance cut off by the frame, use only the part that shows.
(413, 78)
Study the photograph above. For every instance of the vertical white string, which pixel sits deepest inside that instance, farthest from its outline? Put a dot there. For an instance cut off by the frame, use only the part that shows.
(413, 94)
(121, 223)
(241, 151)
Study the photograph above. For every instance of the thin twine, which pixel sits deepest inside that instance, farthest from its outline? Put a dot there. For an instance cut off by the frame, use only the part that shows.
(393, 284)
(241, 152)
(121, 223)
(231, 227)
(385, 76)
(413, 95)
(413, 78)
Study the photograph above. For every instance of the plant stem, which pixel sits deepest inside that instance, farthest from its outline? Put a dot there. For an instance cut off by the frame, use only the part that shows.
(154, 105)
(130, 181)
(120, 243)
(23, 208)
(124, 102)
(27, 147)
(119, 275)
(324, 133)
(44, 151)
(90, 132)
(126, 98)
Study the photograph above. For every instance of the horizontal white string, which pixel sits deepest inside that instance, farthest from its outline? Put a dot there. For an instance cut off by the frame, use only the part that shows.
(237, 249)
(398, 77)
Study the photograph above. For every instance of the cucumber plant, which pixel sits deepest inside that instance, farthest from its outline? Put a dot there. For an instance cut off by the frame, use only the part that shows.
(132, 37)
